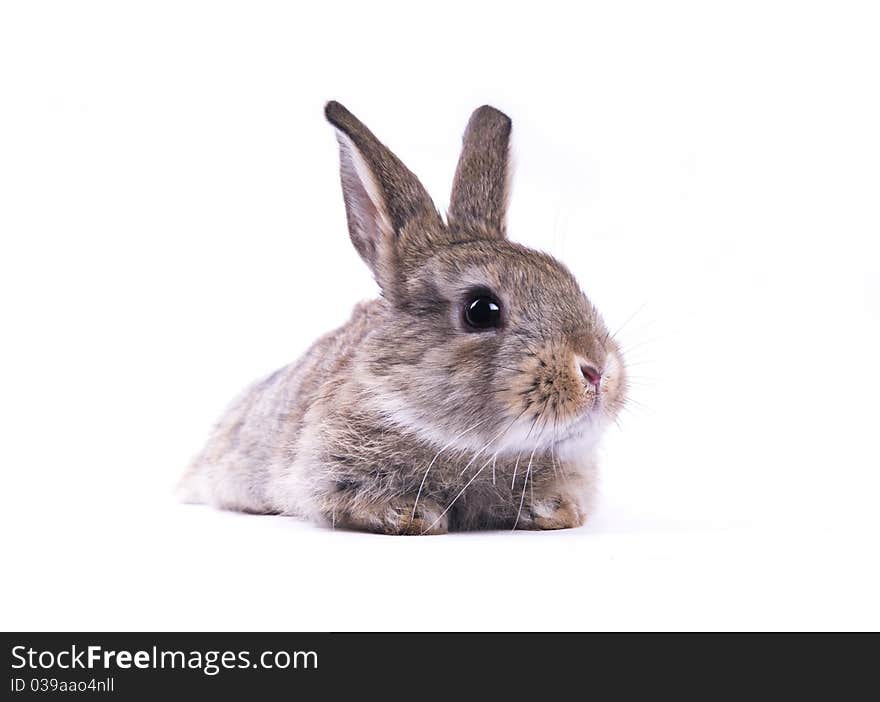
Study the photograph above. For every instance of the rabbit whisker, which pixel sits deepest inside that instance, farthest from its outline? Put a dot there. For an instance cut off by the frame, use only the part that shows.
(629, 319)
(515, 466)
(525, 484)
(433, 460)
(490, 442)
(455, 499)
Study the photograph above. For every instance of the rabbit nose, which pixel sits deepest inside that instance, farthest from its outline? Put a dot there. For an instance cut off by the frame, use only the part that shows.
(591, 374)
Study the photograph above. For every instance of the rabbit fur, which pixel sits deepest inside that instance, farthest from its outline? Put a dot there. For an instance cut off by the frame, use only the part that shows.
(407, 420)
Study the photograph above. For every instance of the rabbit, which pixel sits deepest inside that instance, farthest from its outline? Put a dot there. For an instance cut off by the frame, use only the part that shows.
(470, 395)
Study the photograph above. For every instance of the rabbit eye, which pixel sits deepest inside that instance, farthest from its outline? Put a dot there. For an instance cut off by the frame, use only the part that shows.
(483, 312)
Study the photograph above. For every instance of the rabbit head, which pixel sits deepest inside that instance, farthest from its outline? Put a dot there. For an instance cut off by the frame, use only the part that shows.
(481, 340)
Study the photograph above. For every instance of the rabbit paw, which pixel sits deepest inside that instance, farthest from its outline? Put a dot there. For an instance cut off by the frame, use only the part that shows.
(554, 513)
(396, 517)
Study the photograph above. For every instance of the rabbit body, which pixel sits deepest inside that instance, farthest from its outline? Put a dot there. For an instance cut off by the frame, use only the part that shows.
(304, 441)
(471, 395)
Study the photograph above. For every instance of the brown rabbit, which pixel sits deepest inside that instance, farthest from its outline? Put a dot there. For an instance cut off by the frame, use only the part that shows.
(470, 395)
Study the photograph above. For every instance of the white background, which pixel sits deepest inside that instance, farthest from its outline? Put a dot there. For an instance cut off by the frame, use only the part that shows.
(172, 227)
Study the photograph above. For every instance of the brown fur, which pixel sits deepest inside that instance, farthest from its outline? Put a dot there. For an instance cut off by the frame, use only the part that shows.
(405, 420)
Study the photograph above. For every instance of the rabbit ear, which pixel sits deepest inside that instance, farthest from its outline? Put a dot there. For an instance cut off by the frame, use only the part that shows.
(479, 192)
(388, 209)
